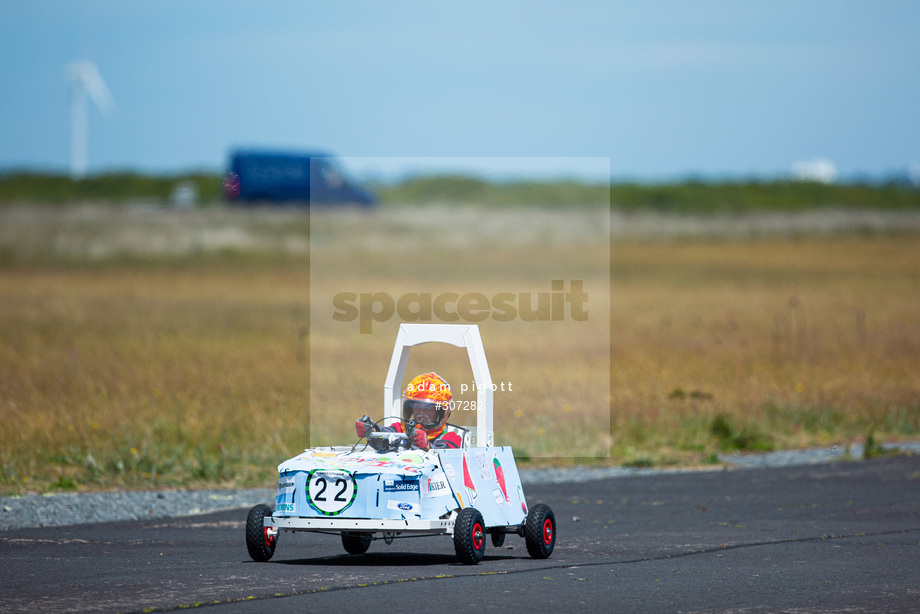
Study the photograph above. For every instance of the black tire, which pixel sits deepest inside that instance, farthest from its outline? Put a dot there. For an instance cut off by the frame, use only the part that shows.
(498, 538)
(469, 536)
(356, 543)
(540, 531)
(260, 543)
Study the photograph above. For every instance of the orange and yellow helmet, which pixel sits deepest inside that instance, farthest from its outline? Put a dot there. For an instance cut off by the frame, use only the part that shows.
(427, 400)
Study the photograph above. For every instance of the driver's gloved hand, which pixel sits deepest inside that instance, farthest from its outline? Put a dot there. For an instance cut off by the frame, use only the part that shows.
(420, 439)
(364, 426)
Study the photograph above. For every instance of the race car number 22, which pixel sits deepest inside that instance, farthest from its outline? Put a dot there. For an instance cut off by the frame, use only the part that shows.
(331, 492)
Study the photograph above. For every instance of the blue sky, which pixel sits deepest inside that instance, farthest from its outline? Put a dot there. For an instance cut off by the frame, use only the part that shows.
(664, 89)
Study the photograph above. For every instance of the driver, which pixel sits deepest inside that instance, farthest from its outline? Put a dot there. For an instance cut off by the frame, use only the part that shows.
(427, 401)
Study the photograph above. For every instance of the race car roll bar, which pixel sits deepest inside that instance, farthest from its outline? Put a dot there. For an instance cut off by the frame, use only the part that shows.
(460, 335)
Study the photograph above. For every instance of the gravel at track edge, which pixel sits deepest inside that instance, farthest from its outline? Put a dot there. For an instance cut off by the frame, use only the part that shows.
(79, 508)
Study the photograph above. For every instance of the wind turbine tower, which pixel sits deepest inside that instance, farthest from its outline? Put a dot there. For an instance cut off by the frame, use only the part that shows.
(85, 80)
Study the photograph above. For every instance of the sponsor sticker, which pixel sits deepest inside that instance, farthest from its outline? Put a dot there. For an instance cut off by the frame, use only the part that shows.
(284, 501)
(500, 478)
(468, 481)
(402, 506)
(435, 486)
(485, 466)
(521, 498)
(400, 486)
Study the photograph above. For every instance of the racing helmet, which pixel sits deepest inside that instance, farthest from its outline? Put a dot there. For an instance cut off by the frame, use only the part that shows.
(427, 400)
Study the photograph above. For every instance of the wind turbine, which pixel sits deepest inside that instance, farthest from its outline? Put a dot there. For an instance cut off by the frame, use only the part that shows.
(85, 79)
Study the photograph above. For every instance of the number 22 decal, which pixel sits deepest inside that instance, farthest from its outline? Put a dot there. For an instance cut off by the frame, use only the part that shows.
(330, 492)
(338, 497)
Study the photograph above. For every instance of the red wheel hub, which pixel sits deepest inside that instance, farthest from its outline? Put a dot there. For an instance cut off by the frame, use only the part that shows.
(477, 536)
(270, 537)
(547, 531)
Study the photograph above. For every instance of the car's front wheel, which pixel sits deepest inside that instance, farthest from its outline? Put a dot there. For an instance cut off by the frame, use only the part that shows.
(260, 540)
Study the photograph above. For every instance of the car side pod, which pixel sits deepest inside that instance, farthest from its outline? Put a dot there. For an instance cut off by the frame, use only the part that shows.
(386, 489)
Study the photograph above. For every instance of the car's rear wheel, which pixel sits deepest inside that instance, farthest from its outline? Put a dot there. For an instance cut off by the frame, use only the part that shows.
(540, 531)
(469, 536)
(260, 540)
(356, 543)
(498, 538)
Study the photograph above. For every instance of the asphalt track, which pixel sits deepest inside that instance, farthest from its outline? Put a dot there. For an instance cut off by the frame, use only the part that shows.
(834, 537)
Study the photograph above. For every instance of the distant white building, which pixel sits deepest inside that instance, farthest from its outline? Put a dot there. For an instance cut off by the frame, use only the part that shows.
(820, 170)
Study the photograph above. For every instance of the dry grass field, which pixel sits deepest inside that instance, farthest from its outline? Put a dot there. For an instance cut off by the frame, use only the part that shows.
(793, 342)
(154, 348)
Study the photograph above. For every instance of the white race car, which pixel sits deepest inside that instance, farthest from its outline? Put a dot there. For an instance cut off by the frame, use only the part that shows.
(386, 489)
